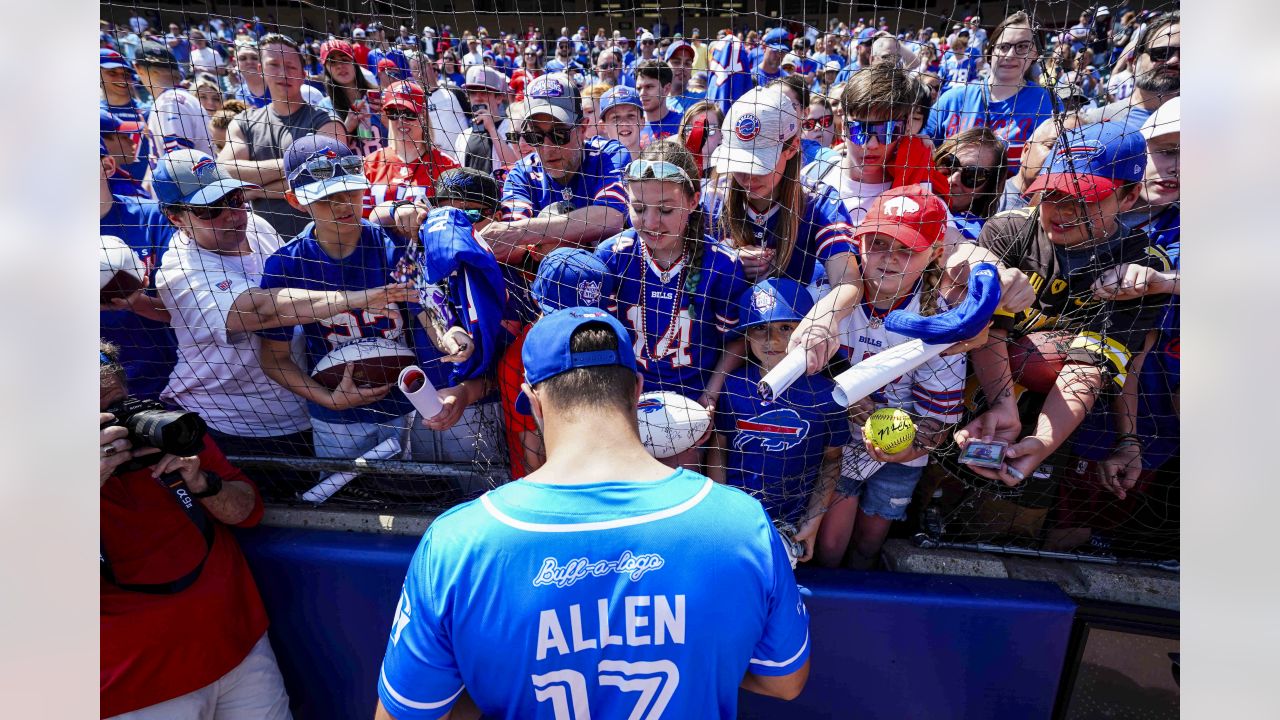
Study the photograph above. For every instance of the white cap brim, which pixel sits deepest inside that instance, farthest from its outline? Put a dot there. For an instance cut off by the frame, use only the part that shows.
(757, 160)
(321, 189)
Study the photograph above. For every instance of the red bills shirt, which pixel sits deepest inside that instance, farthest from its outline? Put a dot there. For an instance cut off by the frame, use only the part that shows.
(391, 178)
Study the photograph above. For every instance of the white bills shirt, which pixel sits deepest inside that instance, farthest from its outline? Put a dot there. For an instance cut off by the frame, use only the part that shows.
(177, 121)
(218, 375)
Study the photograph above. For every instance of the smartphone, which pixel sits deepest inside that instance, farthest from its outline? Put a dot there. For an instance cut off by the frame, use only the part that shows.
(984, 454)
(476, 110)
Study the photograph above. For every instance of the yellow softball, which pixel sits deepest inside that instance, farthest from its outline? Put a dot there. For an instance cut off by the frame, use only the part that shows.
(890, 429)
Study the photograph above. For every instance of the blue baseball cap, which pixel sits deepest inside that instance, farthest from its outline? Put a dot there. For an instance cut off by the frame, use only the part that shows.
(776, 38)
(1090, 162)
(619, 95)
(109, 59)
(109, 123)
(189, 177)
(569, 277)
(308, 188)
(773, 300)
(546, 348)
(673, 47)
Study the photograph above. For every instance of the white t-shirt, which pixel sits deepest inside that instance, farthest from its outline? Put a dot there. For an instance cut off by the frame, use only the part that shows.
(178, 121)
(448, 122)
(216, 375)
(206, 60)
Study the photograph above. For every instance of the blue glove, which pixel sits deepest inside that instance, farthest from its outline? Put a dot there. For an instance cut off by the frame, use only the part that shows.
(957, 324)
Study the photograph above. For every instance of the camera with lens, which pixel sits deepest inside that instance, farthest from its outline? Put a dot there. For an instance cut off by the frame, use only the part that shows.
(151, 424)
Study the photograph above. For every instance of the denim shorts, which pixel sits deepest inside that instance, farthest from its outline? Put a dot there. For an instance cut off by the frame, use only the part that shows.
(887, 493)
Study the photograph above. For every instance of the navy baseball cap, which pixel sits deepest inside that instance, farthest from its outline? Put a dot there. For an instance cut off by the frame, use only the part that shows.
(546, 348)
(109, 123)
(569, 277)
(189, 177)
(619, 95)
(776, 38)
(1090, 162)
(773, 300)
(109, 59)
(677, 45)
(308, 188)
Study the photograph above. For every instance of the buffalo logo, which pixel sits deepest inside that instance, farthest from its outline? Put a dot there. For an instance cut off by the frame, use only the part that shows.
(1073, 155)
(652, 405)
(747, 127)
(763, 300)
(778, 429)
(588, 292)
(549, 88)
(899, 206)
(204, 168)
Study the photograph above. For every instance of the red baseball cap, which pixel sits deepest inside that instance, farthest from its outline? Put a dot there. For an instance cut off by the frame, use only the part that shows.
(911, 214)
(336, 46)
(405, 94)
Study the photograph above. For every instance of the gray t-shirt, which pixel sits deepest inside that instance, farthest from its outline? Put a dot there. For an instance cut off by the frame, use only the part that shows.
(268, 134)
(1011, 198)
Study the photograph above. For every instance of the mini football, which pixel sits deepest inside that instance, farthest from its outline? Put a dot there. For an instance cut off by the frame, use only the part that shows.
(121, 272)
(670, 423)
(1036, 359)
(375, 362)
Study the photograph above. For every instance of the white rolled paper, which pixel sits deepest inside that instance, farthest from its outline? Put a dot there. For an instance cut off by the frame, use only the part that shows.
(331, 484)
(879, 370)
(786, 372)
(416, 386)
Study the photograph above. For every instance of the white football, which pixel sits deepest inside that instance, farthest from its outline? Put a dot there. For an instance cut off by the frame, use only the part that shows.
(670, 423)
(120, 271)
(377, 362)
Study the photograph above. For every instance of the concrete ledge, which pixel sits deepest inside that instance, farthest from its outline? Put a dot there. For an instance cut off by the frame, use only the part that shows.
(1081, 580)
(346, 520)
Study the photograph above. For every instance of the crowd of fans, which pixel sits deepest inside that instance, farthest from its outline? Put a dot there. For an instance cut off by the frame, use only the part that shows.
(726, 198)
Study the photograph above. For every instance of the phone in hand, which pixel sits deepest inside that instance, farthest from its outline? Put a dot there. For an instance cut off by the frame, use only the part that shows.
(476, 110)
(984, 454)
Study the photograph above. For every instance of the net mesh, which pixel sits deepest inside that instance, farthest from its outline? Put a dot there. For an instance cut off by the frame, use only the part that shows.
(753, 198)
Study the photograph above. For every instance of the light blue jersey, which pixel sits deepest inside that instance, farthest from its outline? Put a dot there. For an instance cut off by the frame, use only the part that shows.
(604, 600)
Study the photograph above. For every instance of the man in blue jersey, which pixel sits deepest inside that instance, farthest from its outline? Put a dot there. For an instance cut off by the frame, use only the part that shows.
(653, 84)
(680, 56)
(770, 66)
(580, 179)
(609, 598)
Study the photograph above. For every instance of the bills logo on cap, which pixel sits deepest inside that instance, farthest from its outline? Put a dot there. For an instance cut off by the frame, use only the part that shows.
(764, 300)
(899, 206)
(588, 292)
(1081, 154)
(206, 168)
(773, 430)
(747, 127)
(549, 87)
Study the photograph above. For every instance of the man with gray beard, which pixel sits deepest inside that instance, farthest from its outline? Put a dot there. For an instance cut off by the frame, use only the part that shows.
(1157, 75)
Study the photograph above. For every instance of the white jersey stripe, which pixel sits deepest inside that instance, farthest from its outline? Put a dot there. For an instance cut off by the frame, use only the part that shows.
(788, 661)
(421, 705)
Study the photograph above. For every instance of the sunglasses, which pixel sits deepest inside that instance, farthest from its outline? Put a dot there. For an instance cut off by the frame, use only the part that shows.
(474, 216)
(394, 114)
(886, 131)
(1162, 54)
(824, 122)
(970, 176)
(610, 66)
(557, 136)
(656, 170)
(323, 168)
(233, 200)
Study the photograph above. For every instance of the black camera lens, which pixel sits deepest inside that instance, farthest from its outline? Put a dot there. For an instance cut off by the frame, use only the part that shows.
(176, 433)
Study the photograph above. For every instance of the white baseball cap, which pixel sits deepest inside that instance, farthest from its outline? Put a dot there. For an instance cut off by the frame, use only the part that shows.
(1166, 120)
(790, 59)
(754, 132)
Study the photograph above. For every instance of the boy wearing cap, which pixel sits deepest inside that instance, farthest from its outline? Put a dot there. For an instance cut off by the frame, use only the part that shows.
(1063, 246)
(119, 140)
(339, 251)
(407, 168)
(175, 118)
(567, 277)
(787, 452)
(679, 56)
(118, 100)
(653, 85)
(622, 117)
(483, 146)
(581, 176)
(601, 496)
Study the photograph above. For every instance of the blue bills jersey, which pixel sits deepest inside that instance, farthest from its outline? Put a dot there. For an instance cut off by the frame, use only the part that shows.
(668, 126)
(676, 347)
(823, 232)
(604, 600)
(303, 264)
(528, 189)
(773, 450)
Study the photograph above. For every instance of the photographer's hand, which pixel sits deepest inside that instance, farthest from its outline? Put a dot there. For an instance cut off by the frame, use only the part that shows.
(114, 450)
(231, 505)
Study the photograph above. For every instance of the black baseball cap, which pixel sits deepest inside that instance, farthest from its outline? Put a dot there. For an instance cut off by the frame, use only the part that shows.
(468, 185)
(156, 54)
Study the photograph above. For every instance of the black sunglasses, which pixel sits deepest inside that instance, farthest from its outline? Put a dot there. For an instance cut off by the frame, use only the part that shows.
(1162, 54)
(400, 114)
(233, 200)
(557, 136)
(970, 176)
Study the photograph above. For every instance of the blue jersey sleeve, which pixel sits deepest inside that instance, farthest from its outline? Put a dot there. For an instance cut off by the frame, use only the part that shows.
(610, 191)
(517, 196)
(275, 275)
(420, 677)
(784, 647)
(832, 224)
